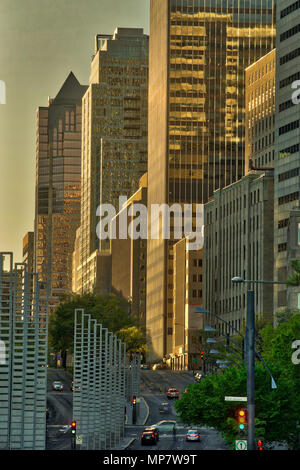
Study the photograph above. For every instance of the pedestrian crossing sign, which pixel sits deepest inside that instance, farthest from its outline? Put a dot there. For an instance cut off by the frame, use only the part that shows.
(240, 445)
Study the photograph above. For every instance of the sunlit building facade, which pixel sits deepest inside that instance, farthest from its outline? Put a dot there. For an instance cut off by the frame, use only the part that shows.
(260, 113)
(199, 51)
(114, 137)
(58, 189)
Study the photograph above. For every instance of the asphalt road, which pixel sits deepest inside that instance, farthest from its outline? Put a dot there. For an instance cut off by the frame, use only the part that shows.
(60, 410)
(154, 385)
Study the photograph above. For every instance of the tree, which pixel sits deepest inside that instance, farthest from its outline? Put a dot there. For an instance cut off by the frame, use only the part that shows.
(109, 310)
(277, 411)
(294, 279)
(135, 340)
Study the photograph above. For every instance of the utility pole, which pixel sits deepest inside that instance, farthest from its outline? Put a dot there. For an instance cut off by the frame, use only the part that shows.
(250, 336)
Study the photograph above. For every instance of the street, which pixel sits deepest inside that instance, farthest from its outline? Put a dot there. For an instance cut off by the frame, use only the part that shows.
(60, 410)
(154, 385)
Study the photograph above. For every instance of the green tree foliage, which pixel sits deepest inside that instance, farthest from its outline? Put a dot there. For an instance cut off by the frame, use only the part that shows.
(294, 279)
(134, 338)
(108, 309)
(277, 411)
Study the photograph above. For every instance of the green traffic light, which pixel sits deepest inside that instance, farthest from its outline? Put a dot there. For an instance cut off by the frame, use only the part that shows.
(242, 427)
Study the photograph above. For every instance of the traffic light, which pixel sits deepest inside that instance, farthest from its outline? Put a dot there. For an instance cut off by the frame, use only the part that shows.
(134, 400)
(73, 427)
(259, 445)
(242, 419)
(202, 355)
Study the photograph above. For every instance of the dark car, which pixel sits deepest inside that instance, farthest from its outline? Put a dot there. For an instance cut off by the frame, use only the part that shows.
(148, 437)
(164, 408)
(154, 430)
(172, 393)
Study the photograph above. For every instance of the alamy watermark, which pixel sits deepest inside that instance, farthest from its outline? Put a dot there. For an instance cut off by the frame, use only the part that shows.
(166, 221)
(296, 94)
(2, 92)
(2, 353)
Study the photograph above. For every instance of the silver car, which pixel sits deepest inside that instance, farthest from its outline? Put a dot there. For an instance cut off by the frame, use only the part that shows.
(192, 435)
(57, 386)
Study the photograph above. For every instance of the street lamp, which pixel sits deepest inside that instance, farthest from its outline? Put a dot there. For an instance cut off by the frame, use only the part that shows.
(250, 351)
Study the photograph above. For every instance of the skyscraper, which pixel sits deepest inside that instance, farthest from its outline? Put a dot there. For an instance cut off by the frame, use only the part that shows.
(114, 138)
(199, 51)
(57, 206)
(287, 149)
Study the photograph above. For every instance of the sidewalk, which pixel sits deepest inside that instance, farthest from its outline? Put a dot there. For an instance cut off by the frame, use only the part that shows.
(141, 420)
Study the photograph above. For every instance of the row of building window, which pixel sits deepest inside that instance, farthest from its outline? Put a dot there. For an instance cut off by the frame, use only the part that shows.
(288, 198)
(289, 151)
(289, 127)
(282, 247)
(290, 32)
(290, 9)
(290, 56)
(286, 105)
(234, 205)
(289, 80)
(283, 223)
(264, 142)
(264, 159)
(288, 174)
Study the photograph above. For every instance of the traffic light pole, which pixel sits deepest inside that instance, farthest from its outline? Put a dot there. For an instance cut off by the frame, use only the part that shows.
(250, 335)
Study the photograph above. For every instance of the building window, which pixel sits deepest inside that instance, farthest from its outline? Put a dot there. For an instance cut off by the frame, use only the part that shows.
(282, 247)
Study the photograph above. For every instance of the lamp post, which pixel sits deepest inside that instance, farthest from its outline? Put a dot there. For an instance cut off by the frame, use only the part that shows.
(249, 355)
(250, 339)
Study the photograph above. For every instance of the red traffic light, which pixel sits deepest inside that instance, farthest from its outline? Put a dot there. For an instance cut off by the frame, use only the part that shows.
(134, 400)
(259, 445)
(73, 425)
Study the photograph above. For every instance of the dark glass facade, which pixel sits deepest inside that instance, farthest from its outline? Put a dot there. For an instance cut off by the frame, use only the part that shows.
(58, 188)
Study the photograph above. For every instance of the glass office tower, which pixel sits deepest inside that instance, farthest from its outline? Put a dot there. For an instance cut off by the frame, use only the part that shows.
(58, 188)
(114, 139)
(199, 50)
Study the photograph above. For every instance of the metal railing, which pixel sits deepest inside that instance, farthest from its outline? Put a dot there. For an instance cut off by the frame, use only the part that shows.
(23, 369)
(99, 384)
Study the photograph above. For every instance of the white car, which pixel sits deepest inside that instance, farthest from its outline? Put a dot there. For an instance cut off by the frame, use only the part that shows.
(166, 425)
(192, 435)
(57, 386)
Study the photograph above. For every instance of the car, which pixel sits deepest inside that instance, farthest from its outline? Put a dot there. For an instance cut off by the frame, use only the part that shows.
(154, 430)
(165, 425)
(192, 435)
(148, 437)
(164, 408)
(66, 428)
(172, 393)
(145, 367)
(58, 386)
(161, 366)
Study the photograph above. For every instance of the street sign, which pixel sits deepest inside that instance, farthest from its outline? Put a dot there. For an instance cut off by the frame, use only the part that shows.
(235, 398)
(79, 439)
(240, 445)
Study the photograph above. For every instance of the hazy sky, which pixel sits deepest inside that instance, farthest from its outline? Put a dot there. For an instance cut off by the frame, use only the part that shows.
(41, 41)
